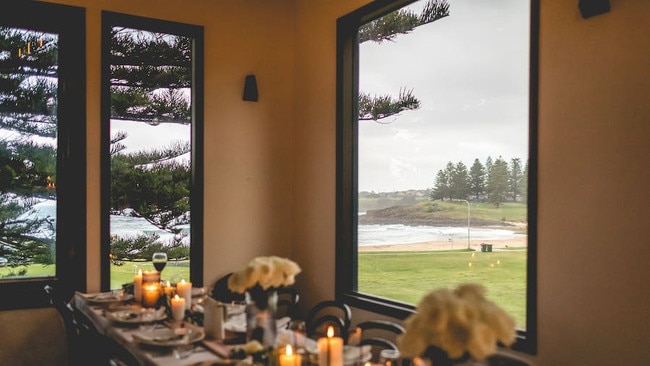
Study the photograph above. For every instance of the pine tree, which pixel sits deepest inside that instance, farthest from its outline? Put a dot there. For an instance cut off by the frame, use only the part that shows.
(477, 178)
(28, 100)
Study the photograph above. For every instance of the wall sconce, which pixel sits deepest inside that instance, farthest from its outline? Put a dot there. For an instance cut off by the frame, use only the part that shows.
(590, 8)
(250, 88)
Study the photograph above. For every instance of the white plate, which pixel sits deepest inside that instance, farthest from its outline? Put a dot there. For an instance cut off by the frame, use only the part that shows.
(136, 316)
(167, 337)
(351, 354)
(104, 298)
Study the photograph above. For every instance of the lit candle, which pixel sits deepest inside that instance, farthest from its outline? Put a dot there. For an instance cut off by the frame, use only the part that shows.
(178, 308)
(184, 290)
(289, 358)
(355, 338)
(169, 289)
(137, 286)
(330, 349)
(150, 294)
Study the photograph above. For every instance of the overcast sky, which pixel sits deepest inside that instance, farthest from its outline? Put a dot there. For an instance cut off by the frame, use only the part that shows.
(470, 72)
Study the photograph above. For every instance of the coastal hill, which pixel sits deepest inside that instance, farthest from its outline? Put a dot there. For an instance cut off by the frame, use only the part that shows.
(446, 213)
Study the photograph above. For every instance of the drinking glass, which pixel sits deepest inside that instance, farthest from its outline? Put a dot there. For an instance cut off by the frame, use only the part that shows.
(159, 261)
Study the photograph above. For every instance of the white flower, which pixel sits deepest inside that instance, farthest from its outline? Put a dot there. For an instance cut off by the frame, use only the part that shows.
(266, 272)
(457, 321)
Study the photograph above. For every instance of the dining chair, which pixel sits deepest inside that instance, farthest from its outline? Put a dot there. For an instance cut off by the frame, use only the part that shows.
(380, 335)
(327, 313)
(221, 292)
(287, 304)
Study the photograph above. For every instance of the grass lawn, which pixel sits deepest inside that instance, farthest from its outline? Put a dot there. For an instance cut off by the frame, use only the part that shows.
(408, 276)
(173, 272)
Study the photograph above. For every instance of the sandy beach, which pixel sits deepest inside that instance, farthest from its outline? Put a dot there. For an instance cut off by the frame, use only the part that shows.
(519, 242)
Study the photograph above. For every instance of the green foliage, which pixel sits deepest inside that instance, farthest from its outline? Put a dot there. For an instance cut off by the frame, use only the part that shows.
(389, 26)
(142, 247)
(379, 107)
(497, 180)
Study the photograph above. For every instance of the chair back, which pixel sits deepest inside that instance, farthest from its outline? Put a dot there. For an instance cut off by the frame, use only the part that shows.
(329, 313)
(380, 335)
(287, 304)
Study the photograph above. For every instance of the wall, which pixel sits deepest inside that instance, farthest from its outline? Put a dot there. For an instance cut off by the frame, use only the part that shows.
(593, 193)
(247, 144)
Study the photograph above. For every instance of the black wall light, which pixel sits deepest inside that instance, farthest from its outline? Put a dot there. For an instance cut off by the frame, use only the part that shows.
(250, 88)
(590, 8)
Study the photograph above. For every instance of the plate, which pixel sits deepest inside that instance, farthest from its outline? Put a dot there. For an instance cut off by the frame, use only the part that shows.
(104, 298)
(167, 337)
(136, 316)
(351, 354)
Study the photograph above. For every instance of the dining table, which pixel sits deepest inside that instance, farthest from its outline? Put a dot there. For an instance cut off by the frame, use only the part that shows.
(152, 338)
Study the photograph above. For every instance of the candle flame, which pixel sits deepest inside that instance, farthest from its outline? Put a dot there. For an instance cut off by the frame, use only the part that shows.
(330, 331)
(139, 272)
(176, 297)
(289, 351)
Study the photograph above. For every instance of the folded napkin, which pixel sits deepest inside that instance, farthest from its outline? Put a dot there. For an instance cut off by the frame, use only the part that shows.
(356, 354)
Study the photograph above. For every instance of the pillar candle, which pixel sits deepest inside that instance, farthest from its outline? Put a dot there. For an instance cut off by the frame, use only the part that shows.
(137, 286)
(178, 308)
(330, 349)
(169, 289)
(184, 290)
(289, 358)
(150, 294)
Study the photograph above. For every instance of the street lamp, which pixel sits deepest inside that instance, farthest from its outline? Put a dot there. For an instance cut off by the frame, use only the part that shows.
(468, 222)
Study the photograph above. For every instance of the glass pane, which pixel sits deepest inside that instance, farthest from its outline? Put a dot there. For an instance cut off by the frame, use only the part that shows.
(150, 131)
(28, 152)
(443, 152)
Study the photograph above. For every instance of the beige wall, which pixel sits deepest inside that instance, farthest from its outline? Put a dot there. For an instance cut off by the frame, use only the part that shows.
(270, 166)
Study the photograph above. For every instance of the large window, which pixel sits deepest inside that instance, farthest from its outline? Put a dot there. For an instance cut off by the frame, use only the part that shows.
(152, 154)
(436, 154)
(42, 152)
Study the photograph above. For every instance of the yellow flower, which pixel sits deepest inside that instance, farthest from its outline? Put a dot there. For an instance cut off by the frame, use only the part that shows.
(457, 321)
(266, 272)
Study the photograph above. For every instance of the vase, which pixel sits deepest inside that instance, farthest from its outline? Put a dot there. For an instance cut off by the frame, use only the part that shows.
(261, 306)
(439, 357)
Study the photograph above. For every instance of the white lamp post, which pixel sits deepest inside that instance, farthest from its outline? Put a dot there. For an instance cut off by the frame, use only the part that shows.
(468, 222)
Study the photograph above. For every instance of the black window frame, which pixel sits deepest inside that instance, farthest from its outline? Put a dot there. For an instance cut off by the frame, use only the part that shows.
(68, 22)
(110, 20)
(347, 79)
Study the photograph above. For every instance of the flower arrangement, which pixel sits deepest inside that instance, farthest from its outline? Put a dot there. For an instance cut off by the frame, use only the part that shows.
(457, 323)
(267, 272)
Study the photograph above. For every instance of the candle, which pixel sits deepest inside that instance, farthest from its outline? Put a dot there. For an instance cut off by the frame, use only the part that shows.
(169, 289)
(137, 286)
(330, 349)
(355, 338)
(150, 294)
(178, 308)
(289, 358)
(184, 290)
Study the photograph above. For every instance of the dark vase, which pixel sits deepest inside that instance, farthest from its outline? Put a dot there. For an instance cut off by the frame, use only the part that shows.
(261, 306)
(439, 357)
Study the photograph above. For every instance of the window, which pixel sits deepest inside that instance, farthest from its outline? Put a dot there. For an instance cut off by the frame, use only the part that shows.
(42, 152)
(436, 154)
(152, 148)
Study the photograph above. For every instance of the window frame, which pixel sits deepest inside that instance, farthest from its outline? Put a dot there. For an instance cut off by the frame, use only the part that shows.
(68, 22)
(109, 20)
(347, 80)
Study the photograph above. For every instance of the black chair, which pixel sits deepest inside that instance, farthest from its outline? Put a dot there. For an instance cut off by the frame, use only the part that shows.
(380, 335)
(329, 313)
(221, 292)
(287, 304)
